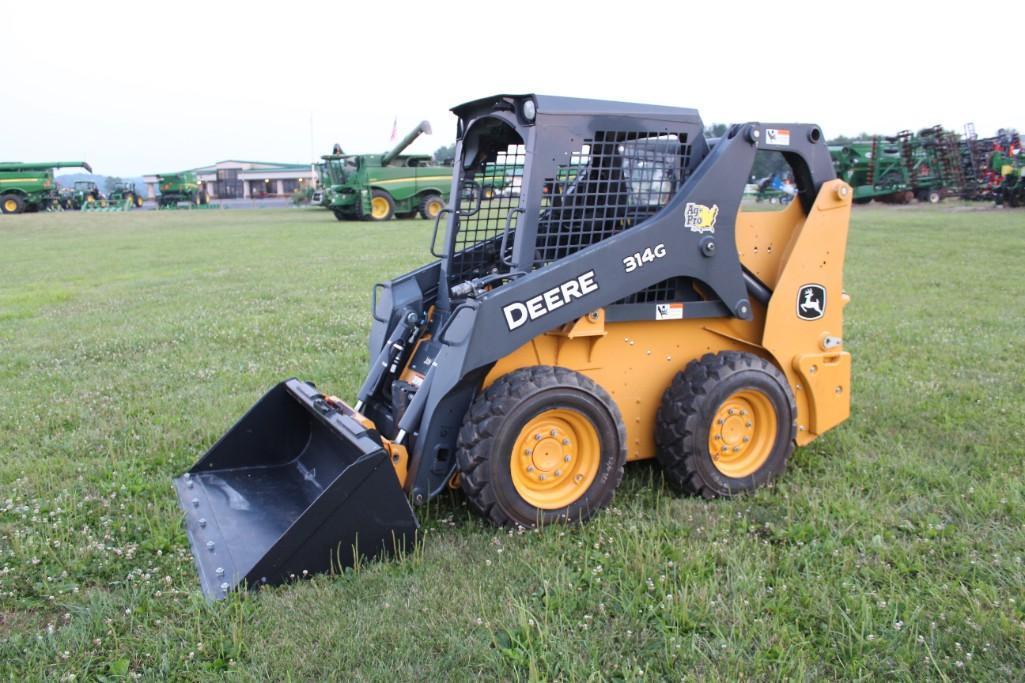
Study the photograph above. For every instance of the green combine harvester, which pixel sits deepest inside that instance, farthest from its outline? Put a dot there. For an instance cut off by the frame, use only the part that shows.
(875, 168)
(319, 197)
(25, 188)
(331, 173)
(379, 187)
(178, 188)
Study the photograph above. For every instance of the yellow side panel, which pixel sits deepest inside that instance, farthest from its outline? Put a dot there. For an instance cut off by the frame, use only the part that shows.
(635, 362)
(827, 381)
(815, 255)
(763, 238)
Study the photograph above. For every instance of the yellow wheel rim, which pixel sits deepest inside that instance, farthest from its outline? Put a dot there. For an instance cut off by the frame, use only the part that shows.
(555, 458)
(10, 205)
(378, 208)
(433, 208)
(742, 434)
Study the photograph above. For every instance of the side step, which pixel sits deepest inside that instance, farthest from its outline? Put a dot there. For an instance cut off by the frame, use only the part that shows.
(296, 485)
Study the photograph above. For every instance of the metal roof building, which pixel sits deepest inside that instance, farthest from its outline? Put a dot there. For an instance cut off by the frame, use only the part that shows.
(235, 179)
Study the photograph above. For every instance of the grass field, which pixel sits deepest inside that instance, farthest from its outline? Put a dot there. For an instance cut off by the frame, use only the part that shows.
(893, 548)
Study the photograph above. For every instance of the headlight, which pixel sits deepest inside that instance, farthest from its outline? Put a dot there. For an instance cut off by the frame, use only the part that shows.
(529, 110)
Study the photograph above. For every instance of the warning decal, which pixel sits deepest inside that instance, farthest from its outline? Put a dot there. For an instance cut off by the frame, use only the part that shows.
(669, 312)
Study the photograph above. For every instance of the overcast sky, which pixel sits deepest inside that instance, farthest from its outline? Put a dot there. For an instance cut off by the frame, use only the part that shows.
(142, 87)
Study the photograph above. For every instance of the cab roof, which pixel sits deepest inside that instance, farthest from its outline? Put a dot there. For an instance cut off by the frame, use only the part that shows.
(551, 105)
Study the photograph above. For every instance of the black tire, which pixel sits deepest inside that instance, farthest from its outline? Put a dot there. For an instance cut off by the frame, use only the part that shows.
(494, 422)
(428, 205)
(861, 201)
(1016, 198)
(11, 204)
(389, 214)
(340, 215)
(685, 419)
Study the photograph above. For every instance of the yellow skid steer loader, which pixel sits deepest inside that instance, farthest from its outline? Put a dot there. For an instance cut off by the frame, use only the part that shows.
(616, 305)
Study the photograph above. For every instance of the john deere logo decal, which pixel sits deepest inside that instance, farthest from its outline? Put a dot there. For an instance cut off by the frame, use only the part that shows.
(811, 302)
(700, 218)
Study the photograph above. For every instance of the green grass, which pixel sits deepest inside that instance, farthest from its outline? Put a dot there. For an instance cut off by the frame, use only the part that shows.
(893, 548)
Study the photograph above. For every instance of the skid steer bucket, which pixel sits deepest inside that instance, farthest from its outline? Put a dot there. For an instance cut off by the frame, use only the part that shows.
(298, 484)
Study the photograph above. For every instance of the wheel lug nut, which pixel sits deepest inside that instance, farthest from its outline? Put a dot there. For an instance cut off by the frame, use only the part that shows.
(566, 458)
(565, 442)
(725, 448)
(526, 451)
(552, 432)
(748, 425)
(743, 412)
(736, 449)
(732, 411)
(530, 468)
(746, 439)
(537, 437)
(558, 473)
(541, 477)
(717, 437)
(719, 421)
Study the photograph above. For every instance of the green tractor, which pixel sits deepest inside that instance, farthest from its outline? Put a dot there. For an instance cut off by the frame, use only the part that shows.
(125, 194)
(1011, 190)
(501, 180)
(31, 187)
(176, 188)
(83, 195)
(992, 166)
(379, 187)
(875, 168)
